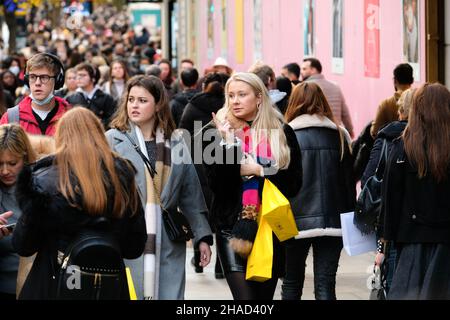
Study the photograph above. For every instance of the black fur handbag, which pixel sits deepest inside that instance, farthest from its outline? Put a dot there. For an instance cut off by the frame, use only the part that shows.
(368, 205)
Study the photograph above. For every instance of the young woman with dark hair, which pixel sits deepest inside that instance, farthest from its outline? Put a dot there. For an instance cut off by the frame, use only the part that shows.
(415, 199)
(144, 122)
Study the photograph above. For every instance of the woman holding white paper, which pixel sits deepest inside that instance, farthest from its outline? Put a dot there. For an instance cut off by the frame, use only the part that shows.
(328, 190)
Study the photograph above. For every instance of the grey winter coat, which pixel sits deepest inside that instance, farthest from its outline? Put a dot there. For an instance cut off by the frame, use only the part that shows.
(182, 190)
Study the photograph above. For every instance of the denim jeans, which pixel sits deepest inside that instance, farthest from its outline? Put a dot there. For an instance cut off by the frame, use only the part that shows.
(326, 254)
(391, 256)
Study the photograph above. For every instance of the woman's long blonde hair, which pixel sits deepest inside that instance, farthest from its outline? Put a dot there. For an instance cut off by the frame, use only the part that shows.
(14, 139)
(83, 153)
(268, 119)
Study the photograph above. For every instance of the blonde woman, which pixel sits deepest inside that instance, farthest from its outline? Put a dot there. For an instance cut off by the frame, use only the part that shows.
(144, 131)
(388, 134)
(252, 136)
(63, 193)
(15, 153)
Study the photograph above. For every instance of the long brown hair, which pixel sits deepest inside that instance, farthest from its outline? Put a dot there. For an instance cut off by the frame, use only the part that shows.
(82, 152)
(126, 75)
(308, 98)
(427, 136)
(163, 116)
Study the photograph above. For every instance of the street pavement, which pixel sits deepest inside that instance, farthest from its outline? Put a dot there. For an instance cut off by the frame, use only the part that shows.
(351, 280)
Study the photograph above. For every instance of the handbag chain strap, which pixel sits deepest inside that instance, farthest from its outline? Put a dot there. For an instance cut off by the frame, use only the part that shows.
(150, 169)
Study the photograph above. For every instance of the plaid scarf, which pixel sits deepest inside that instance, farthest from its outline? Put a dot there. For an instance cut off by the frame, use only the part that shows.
(153, 205)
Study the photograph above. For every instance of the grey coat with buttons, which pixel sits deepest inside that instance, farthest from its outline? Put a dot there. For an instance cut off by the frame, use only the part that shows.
(182, 190)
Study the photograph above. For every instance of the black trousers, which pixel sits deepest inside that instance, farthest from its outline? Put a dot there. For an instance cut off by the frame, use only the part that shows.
(326, 254)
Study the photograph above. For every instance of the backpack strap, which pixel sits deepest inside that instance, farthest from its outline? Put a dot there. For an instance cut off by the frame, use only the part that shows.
(382, 161)
(13, 114)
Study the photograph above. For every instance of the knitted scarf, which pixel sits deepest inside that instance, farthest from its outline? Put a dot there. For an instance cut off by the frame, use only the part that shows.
(245, 229)
(250, 195)
(153, 205)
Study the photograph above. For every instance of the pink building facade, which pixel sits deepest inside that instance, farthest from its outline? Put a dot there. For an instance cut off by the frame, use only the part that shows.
(243, 31)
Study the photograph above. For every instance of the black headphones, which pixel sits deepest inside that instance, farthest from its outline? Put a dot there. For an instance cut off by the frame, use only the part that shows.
(59, 78)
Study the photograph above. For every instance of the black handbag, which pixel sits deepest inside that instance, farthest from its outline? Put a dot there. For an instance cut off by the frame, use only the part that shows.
(175, 223)
(177, 226)
(368, 204)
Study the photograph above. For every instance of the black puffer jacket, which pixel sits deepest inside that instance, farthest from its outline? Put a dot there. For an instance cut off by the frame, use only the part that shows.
(179, 102)
(49, 222)
(328, 187)
(102, 104)
(200, 108)
(389, 133)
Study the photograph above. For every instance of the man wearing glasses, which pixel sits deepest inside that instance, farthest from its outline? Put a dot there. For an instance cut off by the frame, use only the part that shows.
(39, 112)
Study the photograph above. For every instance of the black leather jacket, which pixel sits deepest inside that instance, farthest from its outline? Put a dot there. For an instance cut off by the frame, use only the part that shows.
(328, 187)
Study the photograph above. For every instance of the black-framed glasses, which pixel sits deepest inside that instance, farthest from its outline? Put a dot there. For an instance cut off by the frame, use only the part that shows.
(43, 77)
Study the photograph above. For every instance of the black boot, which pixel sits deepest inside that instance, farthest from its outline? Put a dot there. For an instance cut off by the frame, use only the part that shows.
(218, 268)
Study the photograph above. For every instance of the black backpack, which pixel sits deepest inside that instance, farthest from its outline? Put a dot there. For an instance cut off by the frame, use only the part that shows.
(92, 267)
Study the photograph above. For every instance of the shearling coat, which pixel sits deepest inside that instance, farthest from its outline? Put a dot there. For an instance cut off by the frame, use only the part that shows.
(182, 190)
(328, 187)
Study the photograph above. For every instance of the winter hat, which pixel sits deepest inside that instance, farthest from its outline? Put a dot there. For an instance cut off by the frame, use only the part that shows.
(221, 62)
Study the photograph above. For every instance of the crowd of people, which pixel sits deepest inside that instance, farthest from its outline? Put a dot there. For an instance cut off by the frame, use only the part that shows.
(89, 131)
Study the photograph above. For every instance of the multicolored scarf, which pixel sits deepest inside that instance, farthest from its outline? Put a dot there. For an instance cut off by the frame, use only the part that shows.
(153, 205)
(250, 197)
(245, 229)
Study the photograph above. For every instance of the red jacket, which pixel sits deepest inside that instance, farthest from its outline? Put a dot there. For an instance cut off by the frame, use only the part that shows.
(28, 122)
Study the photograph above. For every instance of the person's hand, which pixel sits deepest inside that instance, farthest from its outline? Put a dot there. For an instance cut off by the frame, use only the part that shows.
(379, 259)
(251, 169)
(3, 221)
(224, 128)
(205, 254)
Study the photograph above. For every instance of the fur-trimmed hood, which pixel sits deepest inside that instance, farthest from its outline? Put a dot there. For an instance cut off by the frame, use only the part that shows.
(308, 121)
(42, 145)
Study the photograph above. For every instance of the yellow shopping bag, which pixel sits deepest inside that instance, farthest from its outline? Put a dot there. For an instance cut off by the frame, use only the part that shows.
(130, 285)
(276, 210)
(259, 263)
